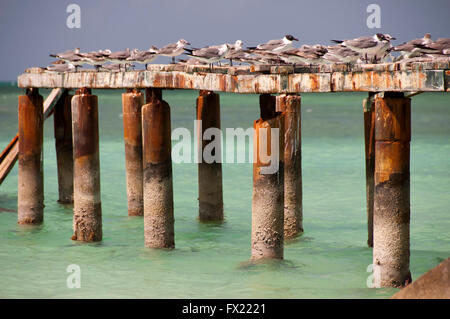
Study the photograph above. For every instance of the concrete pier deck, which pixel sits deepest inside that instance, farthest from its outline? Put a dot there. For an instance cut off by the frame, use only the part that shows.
(409, 76)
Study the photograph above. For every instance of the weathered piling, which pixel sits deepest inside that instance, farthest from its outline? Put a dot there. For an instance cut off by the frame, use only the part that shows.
(210, 194)
(392, 190)
(62, 120)
(132, 102)
(268, 185)
(157, 164)
(87, 218)
(369, 143)
(290, 104)
(30, 176)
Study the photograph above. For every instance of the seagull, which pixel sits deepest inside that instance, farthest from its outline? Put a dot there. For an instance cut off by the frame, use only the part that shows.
(66, 54)
(116, 67)
(95, 58)
(191, 61)
(242, 56)
(414, 48)
(374, 46)
(266, 57)
(119, 57)
(209, 54)
(276, 46)
(342, 54)
(143, 57)
(305, 54)
(438, 48)
(235, 51)
(173, 49)
(61, 67)
(70, 56)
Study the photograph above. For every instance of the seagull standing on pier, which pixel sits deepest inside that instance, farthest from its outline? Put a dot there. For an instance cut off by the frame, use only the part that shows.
(143, 57)
(375, 46)
(95, 58)
(276, 46)
(61, 67)
(120, 57)
(173, 49)
(414, 48)
(70, 57)
(305, 55)
(209, 54)
(440, 48)
(339, 53)
(235, 51)
(115, 67)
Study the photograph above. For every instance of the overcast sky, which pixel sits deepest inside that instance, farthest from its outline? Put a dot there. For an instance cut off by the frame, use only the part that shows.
(30, 30)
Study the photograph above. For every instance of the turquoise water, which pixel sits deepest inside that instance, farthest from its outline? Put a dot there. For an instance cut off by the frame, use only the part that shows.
(328, 261)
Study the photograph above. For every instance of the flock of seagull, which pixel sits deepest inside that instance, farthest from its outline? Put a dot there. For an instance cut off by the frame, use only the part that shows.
(364, 49)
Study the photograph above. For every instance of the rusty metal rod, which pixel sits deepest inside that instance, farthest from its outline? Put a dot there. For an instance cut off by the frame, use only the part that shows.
(157, 164)
(392, 190)
(210, 195)
(132, 102)
(30, 177)
(369, 143)
(87, 218)
(268, 189)
(290, 104)
(62, 121)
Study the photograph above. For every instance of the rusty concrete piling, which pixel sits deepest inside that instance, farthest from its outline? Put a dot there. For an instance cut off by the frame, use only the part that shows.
(132, 102)
(157, 165)
(87, 218)
(62, 120)
(290, 104)
(268, 186)
(30, 176)
(210, 195)
(369, 143)
(392, 190)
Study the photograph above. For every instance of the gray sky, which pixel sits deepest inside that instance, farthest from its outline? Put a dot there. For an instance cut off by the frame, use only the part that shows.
(30, 30)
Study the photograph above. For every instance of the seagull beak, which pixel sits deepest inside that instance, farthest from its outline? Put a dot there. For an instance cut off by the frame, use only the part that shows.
(392, 38)
(188, 43)
(295, 39)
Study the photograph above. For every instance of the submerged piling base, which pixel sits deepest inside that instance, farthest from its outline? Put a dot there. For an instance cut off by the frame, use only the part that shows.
(132, 102)
(210, 195)
(30, 176)
(293, 214)
(62, 120)
(392, 190)
(87, 217)
(157, 163)
(268, 186)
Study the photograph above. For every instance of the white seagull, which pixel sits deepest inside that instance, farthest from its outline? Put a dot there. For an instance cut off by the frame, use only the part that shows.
(375, 46)
(414, 48)
(143, 57)
(341, 54)
(209, 54)
(276, 46)
(64, 67)
(173, 49)
(70, 56)
(305, 55)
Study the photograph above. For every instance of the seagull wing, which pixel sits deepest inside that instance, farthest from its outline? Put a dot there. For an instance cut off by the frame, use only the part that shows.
(362, 43)
(272, 44)
(168, 49)
(207, 53)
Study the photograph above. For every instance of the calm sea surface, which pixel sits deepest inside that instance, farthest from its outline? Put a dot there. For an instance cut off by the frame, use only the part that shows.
(329, 261)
